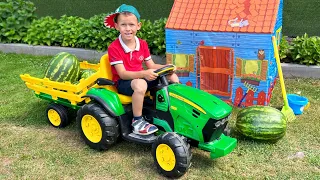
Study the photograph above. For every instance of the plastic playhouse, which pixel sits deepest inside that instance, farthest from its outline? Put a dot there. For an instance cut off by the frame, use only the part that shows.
(225, 47)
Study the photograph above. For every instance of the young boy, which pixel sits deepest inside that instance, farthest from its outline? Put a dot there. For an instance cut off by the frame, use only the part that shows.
(126, 55)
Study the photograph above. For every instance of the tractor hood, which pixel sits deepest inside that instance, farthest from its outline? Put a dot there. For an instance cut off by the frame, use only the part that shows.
(203, 101)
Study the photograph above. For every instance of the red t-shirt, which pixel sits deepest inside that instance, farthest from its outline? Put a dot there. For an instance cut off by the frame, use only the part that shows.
(119, 53)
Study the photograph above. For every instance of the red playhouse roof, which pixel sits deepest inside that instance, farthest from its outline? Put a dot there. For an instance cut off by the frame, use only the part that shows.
(250, 16)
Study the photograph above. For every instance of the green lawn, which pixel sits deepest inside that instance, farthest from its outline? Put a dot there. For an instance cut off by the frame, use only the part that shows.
(31, 149)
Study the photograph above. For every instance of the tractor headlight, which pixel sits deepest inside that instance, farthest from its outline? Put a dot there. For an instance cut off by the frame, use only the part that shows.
(222, 122)
(214, 128)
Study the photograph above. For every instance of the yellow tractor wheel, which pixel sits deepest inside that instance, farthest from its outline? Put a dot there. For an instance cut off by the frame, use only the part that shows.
(57, 115)
(172, 154)
(99, 130)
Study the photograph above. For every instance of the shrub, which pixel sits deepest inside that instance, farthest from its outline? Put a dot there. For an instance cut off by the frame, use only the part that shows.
(70, 31)
(16, 17)
(284, 48)
(94, 35)
(154, 34)
(44, 31)
(306, 50)
(158, 43)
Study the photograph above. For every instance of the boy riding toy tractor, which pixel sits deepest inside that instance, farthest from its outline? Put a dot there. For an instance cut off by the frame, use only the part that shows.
(183, 115)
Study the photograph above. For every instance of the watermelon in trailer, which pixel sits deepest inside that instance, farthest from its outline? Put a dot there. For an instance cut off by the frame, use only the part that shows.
(261, 123)
(84, 74)
(63, 67)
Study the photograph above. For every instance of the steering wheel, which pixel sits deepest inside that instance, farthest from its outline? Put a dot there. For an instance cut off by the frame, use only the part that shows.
(162, 72)
(165, 70)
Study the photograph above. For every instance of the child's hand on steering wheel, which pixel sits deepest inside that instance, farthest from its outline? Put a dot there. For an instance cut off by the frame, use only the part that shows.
(174, 69)
(150, 75)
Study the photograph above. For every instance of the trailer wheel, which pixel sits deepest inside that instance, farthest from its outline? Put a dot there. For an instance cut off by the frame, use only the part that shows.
(99, 130)
(57, 115)
(172, 155)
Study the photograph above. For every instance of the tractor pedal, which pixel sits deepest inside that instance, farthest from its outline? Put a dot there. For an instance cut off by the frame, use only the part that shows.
(150, 137)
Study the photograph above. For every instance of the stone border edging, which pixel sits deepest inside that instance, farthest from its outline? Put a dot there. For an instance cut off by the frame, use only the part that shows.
(289, 70)
(297, 70)
(89, 55)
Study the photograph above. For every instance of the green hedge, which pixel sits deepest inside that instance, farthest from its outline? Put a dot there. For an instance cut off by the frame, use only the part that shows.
(301, 50)
(18, 25)
(148, 9)
(69, 31)
(15, 19)
(299, 17)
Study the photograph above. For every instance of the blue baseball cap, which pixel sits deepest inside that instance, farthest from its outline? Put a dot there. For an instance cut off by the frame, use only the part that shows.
(109, 20)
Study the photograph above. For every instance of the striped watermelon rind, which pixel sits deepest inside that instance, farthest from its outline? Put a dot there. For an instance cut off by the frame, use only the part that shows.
(261, 123)
(84, 74)
(63, 67)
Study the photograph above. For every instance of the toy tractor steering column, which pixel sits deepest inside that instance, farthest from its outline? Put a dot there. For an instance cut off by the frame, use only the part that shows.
(162, 72)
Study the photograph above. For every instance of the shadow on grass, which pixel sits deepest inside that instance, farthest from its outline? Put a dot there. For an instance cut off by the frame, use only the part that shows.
(201, 160)
(32, 114)
(241, 137)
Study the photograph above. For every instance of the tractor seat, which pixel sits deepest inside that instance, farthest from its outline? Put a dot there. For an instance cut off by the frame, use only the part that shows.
(106, 73)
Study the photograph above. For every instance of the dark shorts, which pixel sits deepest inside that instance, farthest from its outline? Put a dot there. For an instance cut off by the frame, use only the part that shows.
(124, 86)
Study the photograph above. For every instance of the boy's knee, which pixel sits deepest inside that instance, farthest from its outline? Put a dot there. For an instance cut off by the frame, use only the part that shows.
(173, 78)
(139, 85)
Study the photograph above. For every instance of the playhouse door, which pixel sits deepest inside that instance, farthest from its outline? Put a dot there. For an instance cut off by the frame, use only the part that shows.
(216, 70)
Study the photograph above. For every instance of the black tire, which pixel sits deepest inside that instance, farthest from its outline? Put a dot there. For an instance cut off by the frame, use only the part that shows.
(174, 165)
(57, 115)
(93, 119)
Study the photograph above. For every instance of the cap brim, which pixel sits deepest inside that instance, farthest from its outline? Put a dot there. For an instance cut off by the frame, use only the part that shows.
(109, 20)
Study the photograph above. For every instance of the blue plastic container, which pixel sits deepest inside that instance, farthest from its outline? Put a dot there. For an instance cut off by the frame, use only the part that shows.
(297, 103)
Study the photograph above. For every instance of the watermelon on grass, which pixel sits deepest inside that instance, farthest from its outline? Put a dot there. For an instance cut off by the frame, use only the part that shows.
(261, 123)
(63, 67)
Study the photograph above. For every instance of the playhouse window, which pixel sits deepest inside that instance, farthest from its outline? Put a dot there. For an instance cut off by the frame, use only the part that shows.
(251, 69)
(183, 62)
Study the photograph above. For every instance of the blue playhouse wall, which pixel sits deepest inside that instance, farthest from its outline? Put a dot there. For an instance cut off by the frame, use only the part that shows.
(244, 45)
(247, 48)
(182, 42)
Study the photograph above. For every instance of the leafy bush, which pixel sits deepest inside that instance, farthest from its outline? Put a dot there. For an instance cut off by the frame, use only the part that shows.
(18, 24)
(44, 31)
(154, 34)
(145, 31)
(16, 17)
(284, 48)
(53, 32)
(94, 35)
(70, 31)
(300, 50)
(306, 50)
(158, 44)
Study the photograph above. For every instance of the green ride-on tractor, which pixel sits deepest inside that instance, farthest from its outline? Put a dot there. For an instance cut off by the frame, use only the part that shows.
(184, 116)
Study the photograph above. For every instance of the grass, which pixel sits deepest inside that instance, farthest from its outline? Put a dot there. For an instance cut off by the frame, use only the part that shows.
(31, 149)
